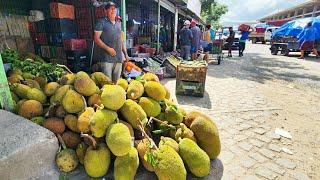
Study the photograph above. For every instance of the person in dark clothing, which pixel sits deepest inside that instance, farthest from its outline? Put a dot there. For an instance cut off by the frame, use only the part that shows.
(307, 40)
(185, 41)
(242, 42)
(230, 41)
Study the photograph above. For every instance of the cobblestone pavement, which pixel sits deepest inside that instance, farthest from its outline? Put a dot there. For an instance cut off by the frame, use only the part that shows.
(249, 98)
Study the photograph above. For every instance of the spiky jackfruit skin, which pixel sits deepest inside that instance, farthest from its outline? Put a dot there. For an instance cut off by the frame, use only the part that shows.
(143, 147)
(67, 79)
(97, 161)
(51, 88)
(18, 105)
(184, 132)
(55, 125)
(27, 75)
(173, 115)
(155, 90)
(85, 85)
(59, 94)
(32, 83)
(101, 120)
(129, 127)
(196, 160)
(73, 102)
(30, 109)
(71, 139)
(135, 90)
(21, 90)
(36, 94)
(123, 83)
(67, 160)
(207, 135)
(150, 106)
(166, 141)
(169, 165)
(125, 167)
(150, 77)
(113, 97)
(60, 112)
(95, 99)
(133, 113)
(42, 81)
(100, 79)
(191, 116)
(83, 123)
(71, 122)
(118, 139)
(15, 78)
(81, 151)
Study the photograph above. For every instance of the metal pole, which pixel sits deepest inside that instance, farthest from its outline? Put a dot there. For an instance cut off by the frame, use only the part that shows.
(175, 39)
(158, 35)
(124, 20)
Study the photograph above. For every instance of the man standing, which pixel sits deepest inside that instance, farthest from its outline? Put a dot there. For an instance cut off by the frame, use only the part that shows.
(242, 42)
(230, 41)
(196, 33)
(185, 40)
(107, 36)
(208, 42)
(307, 40)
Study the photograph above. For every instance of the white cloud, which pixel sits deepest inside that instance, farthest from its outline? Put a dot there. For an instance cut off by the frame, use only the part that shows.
(250, 10)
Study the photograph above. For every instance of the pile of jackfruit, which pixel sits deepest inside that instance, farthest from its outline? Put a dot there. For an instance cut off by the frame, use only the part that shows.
(123, 124)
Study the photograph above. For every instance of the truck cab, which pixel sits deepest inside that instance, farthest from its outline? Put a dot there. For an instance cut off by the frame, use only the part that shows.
(268, 33)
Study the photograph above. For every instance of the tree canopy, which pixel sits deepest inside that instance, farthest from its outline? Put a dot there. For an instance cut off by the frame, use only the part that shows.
(212, 12)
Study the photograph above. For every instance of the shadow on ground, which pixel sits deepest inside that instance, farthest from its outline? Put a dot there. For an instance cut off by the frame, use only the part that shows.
(204, 102)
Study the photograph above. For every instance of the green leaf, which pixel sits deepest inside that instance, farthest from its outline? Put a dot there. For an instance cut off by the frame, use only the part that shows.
(63, 176)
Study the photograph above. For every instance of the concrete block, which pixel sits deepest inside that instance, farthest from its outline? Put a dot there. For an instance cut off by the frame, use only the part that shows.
(27, 150)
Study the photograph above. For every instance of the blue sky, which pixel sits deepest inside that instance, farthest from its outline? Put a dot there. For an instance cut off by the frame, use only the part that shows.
(250, 10)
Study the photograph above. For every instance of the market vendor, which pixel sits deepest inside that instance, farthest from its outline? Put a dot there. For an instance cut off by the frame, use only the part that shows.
(107, 36)
(185, 40)
(307, 40)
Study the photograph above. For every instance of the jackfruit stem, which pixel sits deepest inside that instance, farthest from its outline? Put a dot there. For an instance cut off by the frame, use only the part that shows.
(159, 121)
(65, 67)
(99, 107)
(146, 135)
(93, 141)
(63, 144)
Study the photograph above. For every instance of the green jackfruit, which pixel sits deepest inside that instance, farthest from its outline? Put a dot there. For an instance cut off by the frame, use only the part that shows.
(133, 113)
(118, 139)
(191, 116)
(51, 88)
(32, 83)
(84, 119)
(73, 102)
(18, 105)
(155, 90)
(169, 165)
(21, 90)
(36, 94)
(113, 97)
(94, 100)
(67, 79)
(30, 109)
(100, 79)
(196, 160)
(71, 122)
(143, 147)
(123, 83)
(125, 167)
(59, 94)
(135, 90)
(150, 106)
(85, 86)
(26, 75)
(81, 151)
(67, 160)
(15, 78)
(150, 77)
(97, 160)
(207, 136)
(166, 141)
(42, 81)
(101, 120)
(38, 120)
(173, 114)
(15, 72)
(184, 132)
(55, 125)
(60, 112)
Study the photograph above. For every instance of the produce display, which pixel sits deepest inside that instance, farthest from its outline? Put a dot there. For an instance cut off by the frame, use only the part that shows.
(101, 124)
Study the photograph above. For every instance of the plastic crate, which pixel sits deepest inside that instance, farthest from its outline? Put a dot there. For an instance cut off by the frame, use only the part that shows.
(82, 3)
(171, 70)
(57, 39)
(83, 13)
(75, 44)
(78, 60)
(85, 34)
(40, 26)
(188, 73)
(60, 10)
(45, 51)
(189, 88)
(39, 38)
(62, 25)
(84, 24)
(100, 12)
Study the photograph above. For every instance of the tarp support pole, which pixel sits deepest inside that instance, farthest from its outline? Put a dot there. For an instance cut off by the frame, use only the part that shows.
(124, 20)
(158, 32)
(175, 38)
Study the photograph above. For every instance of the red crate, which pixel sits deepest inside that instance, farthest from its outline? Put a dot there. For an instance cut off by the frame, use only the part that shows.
(244, 27)
(32, 27)
(85, 34)
(84, 24)
(59, 10)
(39, 38)
(75, 44)
(83, 13)
(82, 3)
(100, 12)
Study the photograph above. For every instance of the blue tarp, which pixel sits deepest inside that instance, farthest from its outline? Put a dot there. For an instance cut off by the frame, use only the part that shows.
(295, 27)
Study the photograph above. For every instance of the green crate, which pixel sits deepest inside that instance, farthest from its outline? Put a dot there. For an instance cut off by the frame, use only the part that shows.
(190, 88)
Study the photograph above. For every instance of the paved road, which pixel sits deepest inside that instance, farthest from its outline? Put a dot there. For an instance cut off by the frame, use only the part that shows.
(249, 98)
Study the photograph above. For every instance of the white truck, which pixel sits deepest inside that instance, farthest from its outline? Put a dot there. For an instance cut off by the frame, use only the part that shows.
(268, 33)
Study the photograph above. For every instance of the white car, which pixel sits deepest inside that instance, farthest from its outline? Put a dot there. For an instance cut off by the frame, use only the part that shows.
(268, 33)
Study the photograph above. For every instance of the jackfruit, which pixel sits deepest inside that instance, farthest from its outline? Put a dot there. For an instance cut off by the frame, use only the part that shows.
(100, 79)
(30, 109)
(166, 141)
(32, 83)
(50, 88)
(168, 94)
(81, 151)
(123, 83)
(173, 114)
(67, 79)
(71, 122)
(14, 96)
(97, 160)
(135, 90)
(155, 90)
(133, 113)
(113, 97)
(71, 139)
(129, 127)
(15, 78)
(67, 160)
(94, 100)
(73, 102)
(169, 164)
(125, 167)
(183, 111)
(101, 120)
(184, 132)
(196, 160)
(42, 81)
(15, 72)
(36, 94)
(60, 112)
(59, 94)
(83, 123)
(207, 135)
(150, 77)
(38, 120)
(18, 105)
(143, 146)
(150, 106)
(21, 90)
(55, 125)
(118, 139)
(191, 116)
(27, 75)
(85, 86)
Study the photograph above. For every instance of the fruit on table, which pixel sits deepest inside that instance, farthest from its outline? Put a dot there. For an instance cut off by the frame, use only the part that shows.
(123, 83)
(166, 141)
(100, 79)
(125, 167)
(36, 94)
(184, 132)
(155, 90)
(133, 113)
(55, 125)
(113, 97)
(51, 88)
(66, 159)
(73, 102)
(150, 77)
(101, 120)
(30, 109)
(83, 123)
(135, 90)
(118, 139)
(84, 85)
(150, 106)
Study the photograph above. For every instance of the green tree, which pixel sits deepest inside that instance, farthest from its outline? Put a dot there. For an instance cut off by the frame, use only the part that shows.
(212, 12)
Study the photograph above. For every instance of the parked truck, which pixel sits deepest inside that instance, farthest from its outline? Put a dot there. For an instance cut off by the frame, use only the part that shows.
(257, 35)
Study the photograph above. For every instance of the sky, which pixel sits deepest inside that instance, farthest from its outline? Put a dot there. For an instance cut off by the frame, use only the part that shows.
(250, 10)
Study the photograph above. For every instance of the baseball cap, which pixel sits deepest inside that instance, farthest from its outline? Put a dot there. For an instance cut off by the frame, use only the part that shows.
(110, 4)
(187, 22)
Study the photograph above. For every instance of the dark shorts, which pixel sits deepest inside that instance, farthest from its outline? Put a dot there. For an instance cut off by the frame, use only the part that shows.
(309, 45)
(208, 48)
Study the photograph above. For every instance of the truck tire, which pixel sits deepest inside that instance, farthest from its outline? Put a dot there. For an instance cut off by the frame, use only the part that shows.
(274, 50)
(285, 51)
(263, 42)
